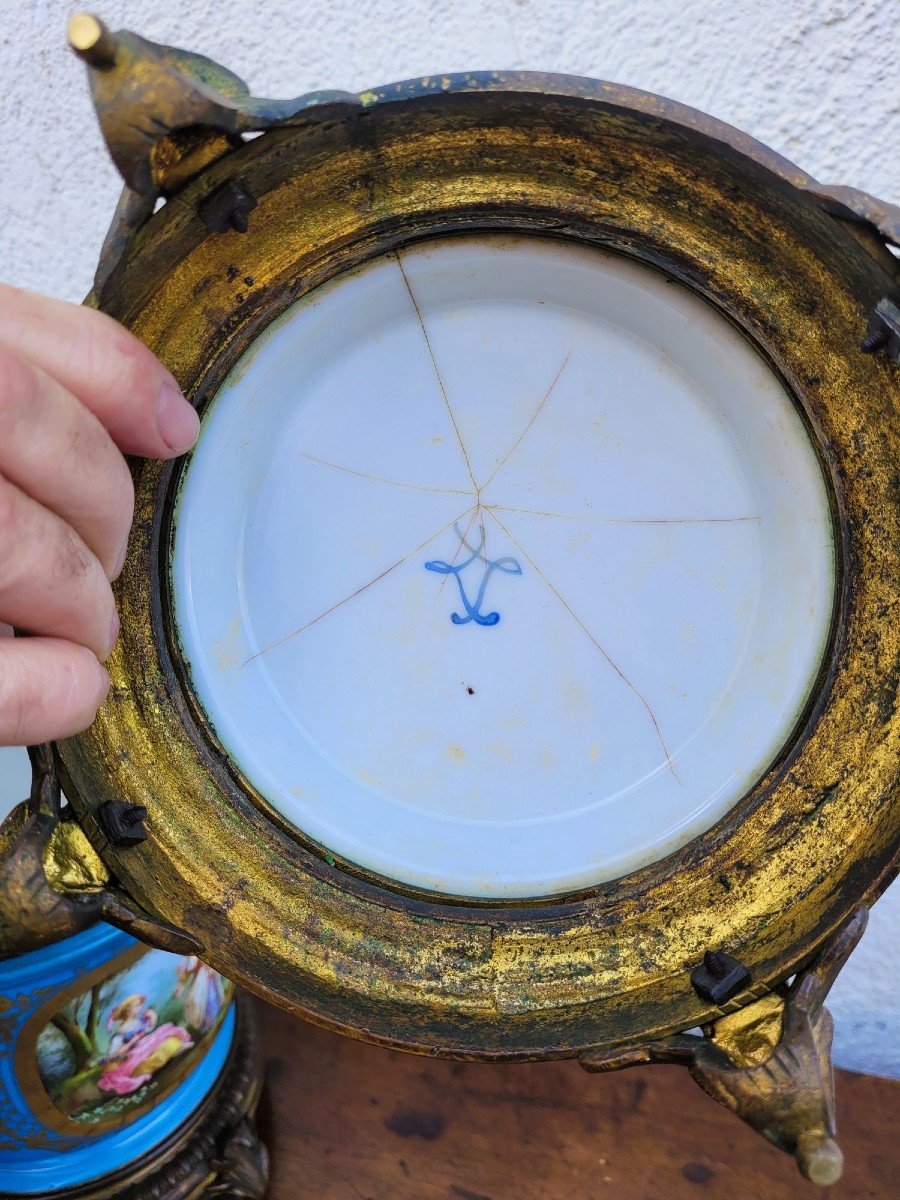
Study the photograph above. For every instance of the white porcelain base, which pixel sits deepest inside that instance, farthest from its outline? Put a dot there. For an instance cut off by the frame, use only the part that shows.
(503, 572)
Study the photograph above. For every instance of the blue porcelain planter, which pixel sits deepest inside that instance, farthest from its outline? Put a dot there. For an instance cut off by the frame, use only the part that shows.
(108, 1048)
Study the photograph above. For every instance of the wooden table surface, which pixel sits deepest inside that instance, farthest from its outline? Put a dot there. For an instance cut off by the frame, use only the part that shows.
(346, 1121)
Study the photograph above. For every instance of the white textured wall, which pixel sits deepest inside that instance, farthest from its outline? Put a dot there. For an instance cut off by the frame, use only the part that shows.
(815, 79)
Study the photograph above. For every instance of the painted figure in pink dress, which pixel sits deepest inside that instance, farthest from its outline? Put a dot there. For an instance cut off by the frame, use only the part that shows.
(138, 1046)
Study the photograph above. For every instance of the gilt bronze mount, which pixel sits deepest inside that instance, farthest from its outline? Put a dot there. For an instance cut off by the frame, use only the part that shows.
(708, 936)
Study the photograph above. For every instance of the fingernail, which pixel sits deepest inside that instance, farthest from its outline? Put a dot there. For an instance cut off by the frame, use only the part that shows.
(113, 631)
(176, 421)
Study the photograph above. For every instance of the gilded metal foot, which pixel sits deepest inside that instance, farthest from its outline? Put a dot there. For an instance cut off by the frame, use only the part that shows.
(770, 1061)
(54, 884)
(243, 1168)
(167, 114)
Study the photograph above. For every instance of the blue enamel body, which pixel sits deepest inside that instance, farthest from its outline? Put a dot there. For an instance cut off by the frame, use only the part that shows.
(36, 1158)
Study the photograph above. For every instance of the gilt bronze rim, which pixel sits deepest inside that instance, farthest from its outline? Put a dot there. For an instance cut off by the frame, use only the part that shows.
(810, 842)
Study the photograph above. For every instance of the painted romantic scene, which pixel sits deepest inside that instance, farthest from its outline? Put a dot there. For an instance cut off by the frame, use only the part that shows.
(110, 1051)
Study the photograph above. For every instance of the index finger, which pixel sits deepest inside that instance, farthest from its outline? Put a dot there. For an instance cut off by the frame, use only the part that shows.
(105, 367)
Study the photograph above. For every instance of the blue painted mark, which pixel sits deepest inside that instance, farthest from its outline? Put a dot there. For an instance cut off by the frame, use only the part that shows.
(509, 566)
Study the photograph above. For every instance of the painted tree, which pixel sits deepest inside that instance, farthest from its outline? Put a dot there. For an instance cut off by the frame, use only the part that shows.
(79, 1024)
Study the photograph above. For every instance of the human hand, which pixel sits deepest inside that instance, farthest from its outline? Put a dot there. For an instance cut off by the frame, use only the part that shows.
(77, 391)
